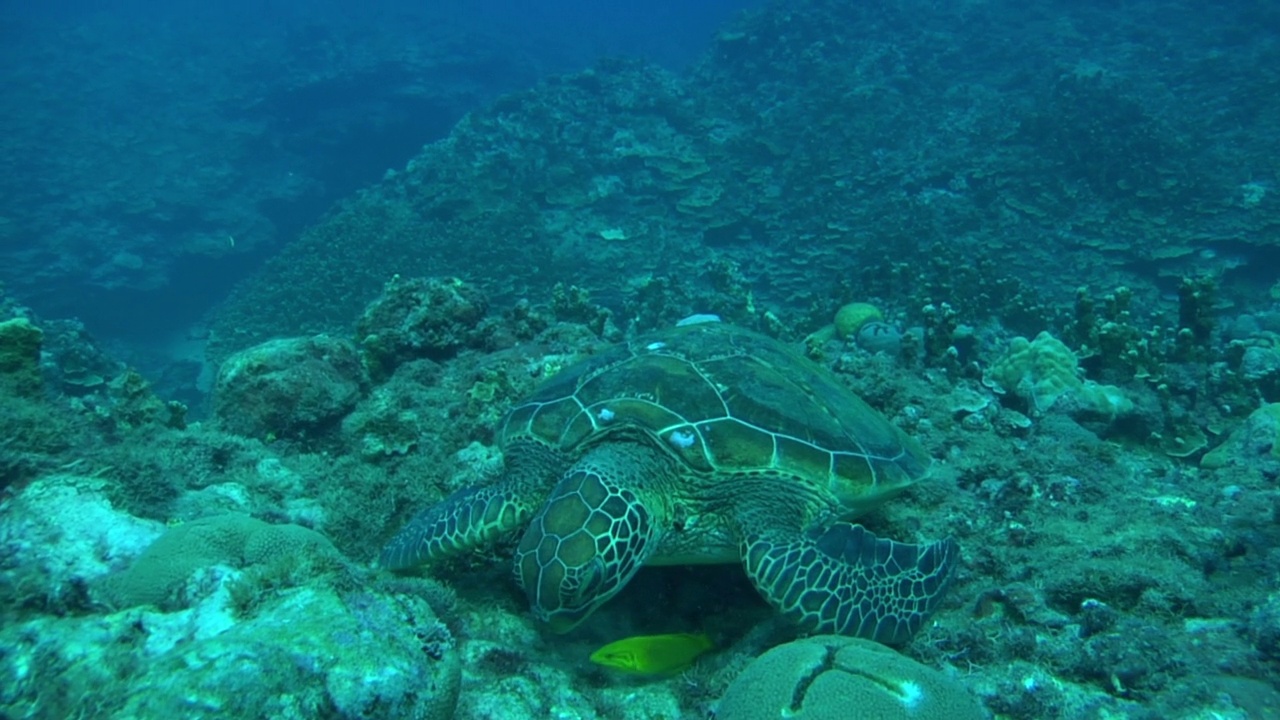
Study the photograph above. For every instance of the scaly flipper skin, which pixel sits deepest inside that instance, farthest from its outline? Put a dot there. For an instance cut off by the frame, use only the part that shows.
(847, 581)
(470, 518)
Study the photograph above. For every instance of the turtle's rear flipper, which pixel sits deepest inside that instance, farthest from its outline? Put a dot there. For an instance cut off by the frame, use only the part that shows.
(465, 520)
(845, 580)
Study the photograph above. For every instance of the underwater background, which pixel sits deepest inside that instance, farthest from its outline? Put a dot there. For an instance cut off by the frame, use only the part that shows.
(274, 273)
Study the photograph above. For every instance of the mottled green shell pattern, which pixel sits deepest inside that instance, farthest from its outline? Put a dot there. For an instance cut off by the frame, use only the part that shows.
(726, 401)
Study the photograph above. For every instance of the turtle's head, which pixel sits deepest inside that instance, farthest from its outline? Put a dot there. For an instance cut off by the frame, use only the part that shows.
(583, 546)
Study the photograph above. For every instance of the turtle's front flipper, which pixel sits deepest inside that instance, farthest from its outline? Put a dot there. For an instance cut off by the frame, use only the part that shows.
(845, 580)
(466, 519)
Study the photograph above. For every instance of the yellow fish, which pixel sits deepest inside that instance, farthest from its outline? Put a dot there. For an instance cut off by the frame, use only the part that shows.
(653, 654)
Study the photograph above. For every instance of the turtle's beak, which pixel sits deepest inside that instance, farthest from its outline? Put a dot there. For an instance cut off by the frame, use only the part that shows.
(560, 622)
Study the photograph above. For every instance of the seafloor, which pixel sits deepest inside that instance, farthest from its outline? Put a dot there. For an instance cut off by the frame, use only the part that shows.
(1059, 277)
(1111, 567)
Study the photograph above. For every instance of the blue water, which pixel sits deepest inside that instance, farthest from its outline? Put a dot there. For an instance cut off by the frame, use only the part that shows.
(160, 152)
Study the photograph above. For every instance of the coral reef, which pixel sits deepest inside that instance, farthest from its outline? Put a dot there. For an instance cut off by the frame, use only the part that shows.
(243, 617)
(313, 650)
(1098, 577)
(60, 534)
(288, 388)
(1044, 370)
(420, 318)
(237, 540)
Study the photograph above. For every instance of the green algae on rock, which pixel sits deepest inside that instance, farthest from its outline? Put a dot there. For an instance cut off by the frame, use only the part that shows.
(20, 356)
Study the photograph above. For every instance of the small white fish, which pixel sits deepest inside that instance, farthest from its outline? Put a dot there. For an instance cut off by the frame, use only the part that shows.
(698, 319)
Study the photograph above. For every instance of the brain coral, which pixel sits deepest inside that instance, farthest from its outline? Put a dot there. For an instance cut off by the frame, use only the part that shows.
(850, 318)
(1043, 370)
(829, 676)
(1040, 370)
(233, 539)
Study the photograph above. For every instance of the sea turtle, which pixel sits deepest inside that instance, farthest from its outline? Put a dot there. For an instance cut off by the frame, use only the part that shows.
(706, 443)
